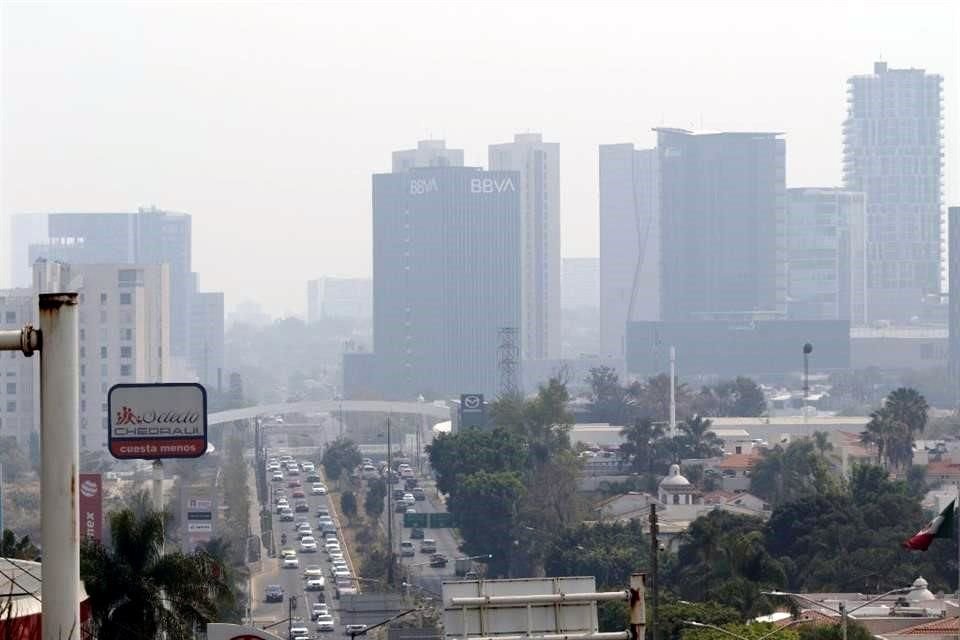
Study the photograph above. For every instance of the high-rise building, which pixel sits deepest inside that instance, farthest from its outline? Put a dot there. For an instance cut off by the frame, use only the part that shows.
(953, 223)
(722, 212)
(150, 236)
(19, 375)
(892, 152)
(429, 153)
(207, 338)
(581, 283)
(446, 278)
(539, 165)
(330, 297)
(629, 242)
(826, 255)
(26, 230)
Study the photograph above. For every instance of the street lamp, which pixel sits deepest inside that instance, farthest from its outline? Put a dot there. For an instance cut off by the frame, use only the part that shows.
(807, 350)
(703, 625)
(842, 609)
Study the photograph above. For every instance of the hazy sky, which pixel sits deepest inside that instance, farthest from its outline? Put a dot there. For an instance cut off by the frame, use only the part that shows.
(265, 121)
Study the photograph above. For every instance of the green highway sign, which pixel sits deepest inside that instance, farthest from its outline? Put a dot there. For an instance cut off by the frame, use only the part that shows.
(418, 520)
(440, 520)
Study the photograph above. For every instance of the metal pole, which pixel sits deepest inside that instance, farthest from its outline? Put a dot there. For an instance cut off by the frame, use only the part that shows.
(389, 508)
(638, 607)
(655, 564)
(843, 619)
(673, 392)
(807, 350)
(60, 461)
(158, 486)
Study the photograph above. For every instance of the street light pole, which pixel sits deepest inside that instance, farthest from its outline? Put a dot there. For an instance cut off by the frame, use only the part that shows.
(807, 350)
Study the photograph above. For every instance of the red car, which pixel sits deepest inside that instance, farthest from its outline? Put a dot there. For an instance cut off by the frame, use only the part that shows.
(294, 483)
(299, 494)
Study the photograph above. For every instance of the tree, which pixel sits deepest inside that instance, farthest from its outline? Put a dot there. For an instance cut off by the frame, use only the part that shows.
(11, 457)
(136, 591)
(455, 456)
(673, 614)
(342, 455)
(907, 407)
(784, 474)
(751, 631)
(232, 565)
(373, 502)
(651, 399)
(22, 549)
(608, 551)
(639, 444)
(855, 631)
(608, 399)
(542, 422)
(348, 504)
(697, 440)
(741, 397)
(485, 506)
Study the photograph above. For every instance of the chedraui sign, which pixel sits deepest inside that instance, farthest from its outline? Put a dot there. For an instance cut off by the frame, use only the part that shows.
(155, 421)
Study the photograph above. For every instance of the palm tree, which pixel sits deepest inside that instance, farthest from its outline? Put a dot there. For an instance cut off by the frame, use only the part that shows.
(137, 592)
(874, 434)
(909, 407)
(233, 572)
(701, 442)
(641, 438)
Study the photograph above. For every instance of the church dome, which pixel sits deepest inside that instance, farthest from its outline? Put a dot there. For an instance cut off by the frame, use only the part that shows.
(674, 479)
(919, 591)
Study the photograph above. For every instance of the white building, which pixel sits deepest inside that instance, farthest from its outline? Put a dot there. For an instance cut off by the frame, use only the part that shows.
(330, 297)
(539, 165)
(19, 375)
(429, 153)
(893, 152)
(629, 242)
(207, 339)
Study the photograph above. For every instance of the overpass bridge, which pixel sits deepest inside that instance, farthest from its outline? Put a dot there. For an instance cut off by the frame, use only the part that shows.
(425, 409)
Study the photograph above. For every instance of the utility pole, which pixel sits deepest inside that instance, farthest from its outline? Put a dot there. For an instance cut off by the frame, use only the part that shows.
(807, 350)
(638, 609)
(673, 392)
(655, 565)
(389, 508)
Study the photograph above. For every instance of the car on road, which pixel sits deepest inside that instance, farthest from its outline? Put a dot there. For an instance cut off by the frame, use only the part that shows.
(335, 555)
(400, 507)
(273, 593)
(319, 609)
(313, 477)
(302, 507)
(291, 562)
(299, 631)
(303, 532)
(323, 512)
(314, 584)
(408, 498)
(318, 489)
(344, 587)
(354, 629)
(340, 564)
(312, 571)
(418, 494)
(277, 476)
(341, 574)
(286, 515)
(438, 560)
(308, 544)
(293, 484)
(410, 484)
(287, 551)
(428, 546)
(325, 623)
(398, 494)
(416, 533)
(282, 504)
(298, 493)
(407, 549)
(332, 546)
(410, 510)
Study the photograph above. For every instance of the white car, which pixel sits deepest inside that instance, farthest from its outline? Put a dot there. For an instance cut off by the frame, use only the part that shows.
(341, 574)
(336, 556)
(308, 545)
(325, 622)
(277, 476)
(312, 571)
(308, 466)
(299, 631)
(317, 489)
(332, 546)
(314, 584)
(291, 562)
(319, 609)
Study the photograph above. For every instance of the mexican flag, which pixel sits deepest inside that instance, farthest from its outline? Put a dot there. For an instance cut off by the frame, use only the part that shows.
(939, 527)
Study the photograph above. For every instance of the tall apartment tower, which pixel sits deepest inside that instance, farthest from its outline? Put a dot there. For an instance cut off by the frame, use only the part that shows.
(429, 153)
(826, 255)
(446, 278)
(723, 215)
(629, 242)
(538, 163)
(892, 152)
(954, 328)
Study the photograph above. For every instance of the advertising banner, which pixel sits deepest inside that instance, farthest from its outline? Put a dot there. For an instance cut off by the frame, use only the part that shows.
(156, 421)
(91, 506)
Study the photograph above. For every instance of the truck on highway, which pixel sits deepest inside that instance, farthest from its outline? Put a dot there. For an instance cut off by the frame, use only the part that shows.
(462, 566)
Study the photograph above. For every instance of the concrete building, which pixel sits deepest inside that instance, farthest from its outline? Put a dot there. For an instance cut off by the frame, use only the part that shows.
(330, 297)
(429, 153)
(149, 236)
(899, 348)
(207, 339)
(19, 375)
(722, 212)
(26, 229)
(630, 259)
(826, 255)
(893, 152)
(954, 322)
(580, 283)
(538, 163)
(446, 278)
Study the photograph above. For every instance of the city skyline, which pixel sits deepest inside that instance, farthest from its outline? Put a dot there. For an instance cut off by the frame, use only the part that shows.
(255, 159)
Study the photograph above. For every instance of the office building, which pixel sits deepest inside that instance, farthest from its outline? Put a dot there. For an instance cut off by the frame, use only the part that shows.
(892, 152)
(150, 236)
(429, 153)
(826, 255)
(538, 163)
(207, 338)
(722, 212)
(19, 375)
(954, 322)
(580, 283)
(26, 230)
(446, 278)
(629, 242)
(330, 297)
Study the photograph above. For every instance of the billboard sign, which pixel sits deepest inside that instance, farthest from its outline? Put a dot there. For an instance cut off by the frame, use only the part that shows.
(440, 520)
(473, 412)
(417, 520)
(156, 421)
(91, 506)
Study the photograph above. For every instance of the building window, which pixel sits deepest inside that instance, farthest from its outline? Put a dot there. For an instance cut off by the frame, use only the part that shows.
(83, 370)
(11, 406)
(103, 298)
(83, 387)
(83, 352)
(103, 316)
(126, 298)
(10, 316)
(11, 387)
(83, 334)
(103, 371)
(126, 334)
(126, 352)
(103, 353)
(125, 370)
(83, 405)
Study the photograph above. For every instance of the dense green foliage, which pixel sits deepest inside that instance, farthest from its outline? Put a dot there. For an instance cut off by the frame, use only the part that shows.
(341, 456)
(893, 426)
(22, 549)
(137, 592)
(373, 501)
(348, 504)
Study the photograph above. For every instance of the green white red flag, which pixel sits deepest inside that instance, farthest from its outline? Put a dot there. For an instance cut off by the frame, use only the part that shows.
(940, 527)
